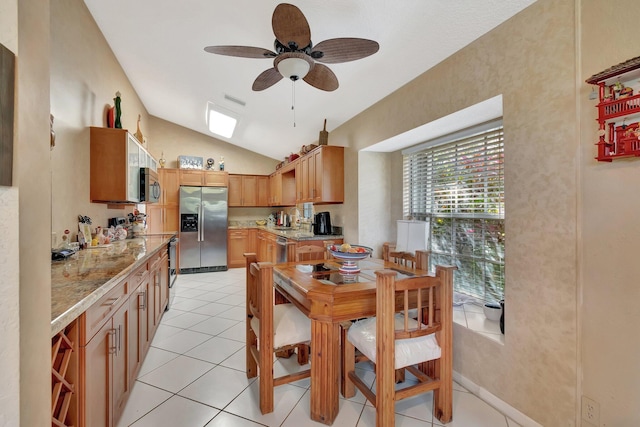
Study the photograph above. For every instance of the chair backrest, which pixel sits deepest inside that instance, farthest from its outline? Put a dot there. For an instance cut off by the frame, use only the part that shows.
(326, 244)
(415, 293)
(310, 252)
(419, 260)
(260, 290)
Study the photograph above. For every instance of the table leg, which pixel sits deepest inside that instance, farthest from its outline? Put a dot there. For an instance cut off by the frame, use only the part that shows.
(325, 371)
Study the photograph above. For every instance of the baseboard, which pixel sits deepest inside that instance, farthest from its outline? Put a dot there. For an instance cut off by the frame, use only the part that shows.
(494, 401)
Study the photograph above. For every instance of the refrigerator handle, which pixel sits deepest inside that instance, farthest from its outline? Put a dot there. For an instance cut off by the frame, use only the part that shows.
(202, 222)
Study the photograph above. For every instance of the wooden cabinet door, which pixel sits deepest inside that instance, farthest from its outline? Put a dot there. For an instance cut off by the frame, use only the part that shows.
(155, 218)
(275, 181)
(170, 218)
(191, 177)
(164, 284)
(237, 246)
(138, 334)
(215, 179)
(249, 190)
(305, 179)
(120, 377)
(97, 355)
(235, 190)
(315, 175)
(262, 185)
(170, 185)
(252, 241)
(161, 218)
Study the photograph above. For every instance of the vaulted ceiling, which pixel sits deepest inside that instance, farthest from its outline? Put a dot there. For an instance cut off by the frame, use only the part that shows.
(160, 45)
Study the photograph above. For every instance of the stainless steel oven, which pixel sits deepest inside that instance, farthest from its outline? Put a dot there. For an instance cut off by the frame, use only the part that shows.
(173, 267)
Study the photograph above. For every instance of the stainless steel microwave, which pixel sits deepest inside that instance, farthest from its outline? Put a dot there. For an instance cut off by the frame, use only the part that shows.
(149, 186)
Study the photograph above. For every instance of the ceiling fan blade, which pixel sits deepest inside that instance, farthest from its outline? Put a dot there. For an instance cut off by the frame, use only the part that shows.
(344, 50)
(266, 79)
(322, 77)
(241, 51)
(290, 25)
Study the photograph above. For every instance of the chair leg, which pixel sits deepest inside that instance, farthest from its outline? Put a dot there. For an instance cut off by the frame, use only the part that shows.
(348, 363)
(399, 376)
(303, 354)
(266, 383)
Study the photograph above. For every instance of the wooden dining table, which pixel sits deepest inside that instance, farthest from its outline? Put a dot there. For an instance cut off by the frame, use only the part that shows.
(329, 298)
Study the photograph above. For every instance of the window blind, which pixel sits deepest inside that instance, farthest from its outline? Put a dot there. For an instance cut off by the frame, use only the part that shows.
(457, 186)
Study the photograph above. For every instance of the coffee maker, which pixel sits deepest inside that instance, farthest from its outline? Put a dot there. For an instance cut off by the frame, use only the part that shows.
(322, 223)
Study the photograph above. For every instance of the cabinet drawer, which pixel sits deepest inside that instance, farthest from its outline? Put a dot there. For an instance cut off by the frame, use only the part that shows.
(103, 309)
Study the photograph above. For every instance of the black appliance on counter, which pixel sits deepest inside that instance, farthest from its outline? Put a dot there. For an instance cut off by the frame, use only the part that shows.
(322, 223)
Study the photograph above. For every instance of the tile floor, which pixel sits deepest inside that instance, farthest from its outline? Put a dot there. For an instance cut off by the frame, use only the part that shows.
(193, 375)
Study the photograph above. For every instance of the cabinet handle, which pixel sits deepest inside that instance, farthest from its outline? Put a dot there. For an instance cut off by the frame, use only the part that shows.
(143, 305)
(112, 334)
(119, 340)
(113, 301)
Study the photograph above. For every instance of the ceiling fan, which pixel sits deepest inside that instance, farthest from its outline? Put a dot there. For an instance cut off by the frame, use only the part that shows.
(295, 57)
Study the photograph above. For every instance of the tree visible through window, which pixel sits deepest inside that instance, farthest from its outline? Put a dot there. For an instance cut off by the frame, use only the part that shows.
(456, 184)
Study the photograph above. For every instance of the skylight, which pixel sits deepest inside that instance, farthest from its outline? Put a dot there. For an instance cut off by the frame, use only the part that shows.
(221, 121)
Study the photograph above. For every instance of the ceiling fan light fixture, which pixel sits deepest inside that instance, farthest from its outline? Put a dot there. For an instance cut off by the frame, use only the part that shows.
(293, 66)
(220, 122)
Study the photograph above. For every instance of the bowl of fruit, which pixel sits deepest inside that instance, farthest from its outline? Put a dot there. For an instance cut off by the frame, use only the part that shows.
(349, 254)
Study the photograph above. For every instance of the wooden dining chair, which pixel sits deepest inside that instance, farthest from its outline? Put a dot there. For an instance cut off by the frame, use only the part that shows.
(393, 340)
(418, 259)
(326, 244)
(270, 328)
(310, 253)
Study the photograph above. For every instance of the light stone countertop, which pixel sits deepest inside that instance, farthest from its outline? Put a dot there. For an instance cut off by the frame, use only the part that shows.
(85, 277)
(289, 233)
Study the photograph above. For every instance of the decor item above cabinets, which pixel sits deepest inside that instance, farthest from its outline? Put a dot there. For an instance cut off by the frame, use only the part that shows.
(116, 158)
(618, 110)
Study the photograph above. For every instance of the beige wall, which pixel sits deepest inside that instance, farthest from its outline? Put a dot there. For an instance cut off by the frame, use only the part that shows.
(9, 262)
(174, 141)
(530, 60)
(85, 75)
(610, 231)
(31, 173)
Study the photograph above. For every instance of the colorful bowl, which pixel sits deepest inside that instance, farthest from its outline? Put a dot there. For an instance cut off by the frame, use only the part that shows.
(351, 256)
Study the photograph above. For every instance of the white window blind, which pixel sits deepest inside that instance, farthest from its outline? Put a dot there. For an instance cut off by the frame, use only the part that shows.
(457, 186)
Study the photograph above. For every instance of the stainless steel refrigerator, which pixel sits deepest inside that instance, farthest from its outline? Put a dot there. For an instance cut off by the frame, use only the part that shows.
(203, 229)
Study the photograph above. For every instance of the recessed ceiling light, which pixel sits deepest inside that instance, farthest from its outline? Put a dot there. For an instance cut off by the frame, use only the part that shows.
(220, 120)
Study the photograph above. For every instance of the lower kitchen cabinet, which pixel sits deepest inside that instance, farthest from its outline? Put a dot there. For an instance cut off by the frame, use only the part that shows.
(139, 333)
(239, 242)
(107, 383)
(115, 335)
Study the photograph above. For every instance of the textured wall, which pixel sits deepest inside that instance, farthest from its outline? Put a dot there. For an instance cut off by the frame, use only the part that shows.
(31, 173)
(610, 229)
(530, 60)
(85, 75)
(174, 140)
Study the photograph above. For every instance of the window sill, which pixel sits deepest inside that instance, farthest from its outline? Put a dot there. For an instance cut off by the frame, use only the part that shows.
(471, 316)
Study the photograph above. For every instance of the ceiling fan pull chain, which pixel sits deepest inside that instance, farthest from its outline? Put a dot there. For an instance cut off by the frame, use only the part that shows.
(293, 101)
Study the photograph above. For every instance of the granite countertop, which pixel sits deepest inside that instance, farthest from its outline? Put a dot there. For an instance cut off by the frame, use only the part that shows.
(85, 277)
(289, 233)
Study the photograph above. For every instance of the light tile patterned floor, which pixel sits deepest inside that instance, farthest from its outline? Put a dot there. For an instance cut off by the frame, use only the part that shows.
(193, 375)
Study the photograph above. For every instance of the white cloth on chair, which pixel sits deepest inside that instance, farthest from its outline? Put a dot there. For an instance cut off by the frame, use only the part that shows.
(362, 334)
(290, 325)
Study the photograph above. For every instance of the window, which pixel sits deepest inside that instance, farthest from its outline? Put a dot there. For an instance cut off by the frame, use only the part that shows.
(456, 185)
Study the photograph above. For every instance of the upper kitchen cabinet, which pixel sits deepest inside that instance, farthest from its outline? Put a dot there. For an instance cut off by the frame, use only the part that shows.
(248, 190)
(170, 186)
(115, 159)
(320, 176)
(282, 187)
(201, 178)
